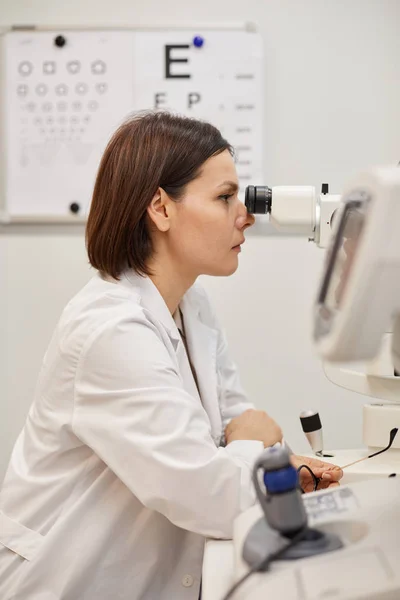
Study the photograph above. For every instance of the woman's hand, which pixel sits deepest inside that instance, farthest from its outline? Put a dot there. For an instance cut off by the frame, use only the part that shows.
(328, 474)
(254, 425)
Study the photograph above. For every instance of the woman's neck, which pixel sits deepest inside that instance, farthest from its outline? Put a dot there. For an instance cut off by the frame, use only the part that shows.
(170, 281)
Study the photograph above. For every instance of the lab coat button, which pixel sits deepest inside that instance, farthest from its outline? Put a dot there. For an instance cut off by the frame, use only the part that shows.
(187, 581)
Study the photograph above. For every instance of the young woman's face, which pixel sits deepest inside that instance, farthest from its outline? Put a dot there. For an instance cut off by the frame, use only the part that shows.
(209, 221)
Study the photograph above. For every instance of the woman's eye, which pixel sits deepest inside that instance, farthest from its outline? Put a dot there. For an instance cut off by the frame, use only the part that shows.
(225, 197)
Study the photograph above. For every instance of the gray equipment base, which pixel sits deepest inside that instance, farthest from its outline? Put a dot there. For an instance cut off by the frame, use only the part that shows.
(262, 541)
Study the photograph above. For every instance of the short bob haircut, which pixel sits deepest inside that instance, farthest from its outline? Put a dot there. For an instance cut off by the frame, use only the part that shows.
(148, 151)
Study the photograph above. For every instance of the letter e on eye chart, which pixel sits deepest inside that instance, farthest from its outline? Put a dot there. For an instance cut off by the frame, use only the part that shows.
(211, 75)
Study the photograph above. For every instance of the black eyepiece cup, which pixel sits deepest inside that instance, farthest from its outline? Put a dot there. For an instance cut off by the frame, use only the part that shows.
(258, 199)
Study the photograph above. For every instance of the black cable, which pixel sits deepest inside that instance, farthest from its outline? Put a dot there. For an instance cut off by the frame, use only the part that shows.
(264, 564)
(316, 479)
(393, 433)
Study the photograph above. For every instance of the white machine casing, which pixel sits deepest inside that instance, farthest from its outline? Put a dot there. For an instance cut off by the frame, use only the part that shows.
(371, 299)
(293, 209)
(364, 515)
(300, 210)
(363, 325)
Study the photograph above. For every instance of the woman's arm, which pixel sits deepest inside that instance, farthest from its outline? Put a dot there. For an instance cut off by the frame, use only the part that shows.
(132, 410)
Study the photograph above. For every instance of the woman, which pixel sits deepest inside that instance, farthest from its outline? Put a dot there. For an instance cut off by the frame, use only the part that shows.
(140, 441)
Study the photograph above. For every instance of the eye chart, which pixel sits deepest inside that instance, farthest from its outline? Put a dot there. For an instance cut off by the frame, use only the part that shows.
(65, 92)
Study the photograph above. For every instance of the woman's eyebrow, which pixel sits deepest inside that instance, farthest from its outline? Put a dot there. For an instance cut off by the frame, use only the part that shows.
(232, 184)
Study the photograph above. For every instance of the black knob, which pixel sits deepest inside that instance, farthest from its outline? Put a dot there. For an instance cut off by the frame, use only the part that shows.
(310, 421)
(325, 188)
(60, 41)
(74, 207)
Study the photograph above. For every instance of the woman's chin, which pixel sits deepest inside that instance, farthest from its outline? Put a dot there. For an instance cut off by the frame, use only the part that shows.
(223, 269)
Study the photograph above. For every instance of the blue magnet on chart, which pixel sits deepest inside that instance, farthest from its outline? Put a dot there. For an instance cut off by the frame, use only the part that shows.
(198, 41)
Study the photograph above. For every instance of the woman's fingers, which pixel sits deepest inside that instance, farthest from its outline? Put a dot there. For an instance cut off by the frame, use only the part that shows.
(332, 472)
(323, 484)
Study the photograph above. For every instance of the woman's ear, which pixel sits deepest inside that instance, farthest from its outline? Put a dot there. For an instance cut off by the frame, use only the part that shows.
(159, 210)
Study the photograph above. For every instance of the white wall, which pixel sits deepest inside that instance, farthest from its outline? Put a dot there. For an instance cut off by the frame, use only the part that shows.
(332, 108)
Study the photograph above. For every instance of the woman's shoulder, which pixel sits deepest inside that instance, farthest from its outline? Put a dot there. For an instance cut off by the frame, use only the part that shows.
(101, 299)
(98, 306)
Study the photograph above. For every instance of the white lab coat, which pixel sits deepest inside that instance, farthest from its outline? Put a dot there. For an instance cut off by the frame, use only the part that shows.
(118, 474)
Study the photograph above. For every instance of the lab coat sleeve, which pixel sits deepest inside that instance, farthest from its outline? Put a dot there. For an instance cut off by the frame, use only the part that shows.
(131, 408)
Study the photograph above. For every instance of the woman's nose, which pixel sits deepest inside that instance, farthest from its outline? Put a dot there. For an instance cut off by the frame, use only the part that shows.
(245, 219)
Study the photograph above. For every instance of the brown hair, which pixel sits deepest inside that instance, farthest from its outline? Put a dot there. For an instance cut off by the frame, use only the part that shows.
(148, 151)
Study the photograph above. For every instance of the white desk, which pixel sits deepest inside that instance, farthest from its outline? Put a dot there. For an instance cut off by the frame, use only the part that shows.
(218, 565)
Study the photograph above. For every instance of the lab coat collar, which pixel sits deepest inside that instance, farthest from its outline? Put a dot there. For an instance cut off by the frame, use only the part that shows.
(201, 339)
(152, 300)
(202, 342)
